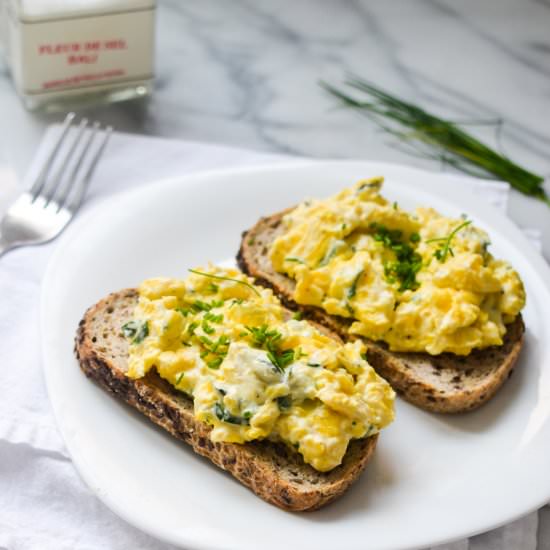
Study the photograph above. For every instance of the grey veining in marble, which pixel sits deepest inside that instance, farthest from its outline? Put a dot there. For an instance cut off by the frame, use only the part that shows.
(246, 73)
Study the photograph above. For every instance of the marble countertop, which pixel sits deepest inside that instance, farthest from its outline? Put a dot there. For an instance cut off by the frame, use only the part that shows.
(246, 73)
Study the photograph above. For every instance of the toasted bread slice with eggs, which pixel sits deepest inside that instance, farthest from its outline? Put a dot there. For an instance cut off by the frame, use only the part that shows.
(445, 383)
(271, 470)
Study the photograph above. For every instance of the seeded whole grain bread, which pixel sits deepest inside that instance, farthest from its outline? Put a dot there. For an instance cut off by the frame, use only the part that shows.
(272, 470)
(446, 383)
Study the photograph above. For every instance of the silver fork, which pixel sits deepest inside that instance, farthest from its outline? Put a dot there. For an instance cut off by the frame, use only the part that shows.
(42, 212)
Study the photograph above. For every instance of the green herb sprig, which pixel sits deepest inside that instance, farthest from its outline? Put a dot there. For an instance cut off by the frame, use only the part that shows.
(407, 263)
(214, 318)
(199, 305)
(436, 138)
(137, 330)
(331, 252)
(284, 402)
(352, 290)
(294, 260)
(221, 278)
(214, 351)
(262, 337)
(444, 248)
(225, 416)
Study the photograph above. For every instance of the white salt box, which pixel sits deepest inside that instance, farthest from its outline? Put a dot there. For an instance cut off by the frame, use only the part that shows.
(64, 54)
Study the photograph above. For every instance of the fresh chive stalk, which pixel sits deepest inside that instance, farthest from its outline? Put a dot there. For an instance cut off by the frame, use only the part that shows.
(444, 140)
(444, 248)
(220, 278)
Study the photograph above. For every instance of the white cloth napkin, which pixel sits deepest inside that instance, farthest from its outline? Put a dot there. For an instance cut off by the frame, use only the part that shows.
(43, 503)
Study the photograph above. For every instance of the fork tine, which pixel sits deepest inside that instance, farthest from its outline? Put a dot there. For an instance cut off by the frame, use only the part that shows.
(71, 181)
(41, 178)
(82, 186)
(57, 188)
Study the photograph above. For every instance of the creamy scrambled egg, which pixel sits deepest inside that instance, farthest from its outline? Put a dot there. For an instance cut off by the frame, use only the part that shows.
(253, 371)
(416, 280)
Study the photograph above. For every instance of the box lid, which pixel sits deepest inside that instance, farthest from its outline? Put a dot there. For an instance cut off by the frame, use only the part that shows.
(41, 10)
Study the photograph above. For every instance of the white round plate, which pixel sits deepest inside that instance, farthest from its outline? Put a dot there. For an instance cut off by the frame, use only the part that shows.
(433, 479)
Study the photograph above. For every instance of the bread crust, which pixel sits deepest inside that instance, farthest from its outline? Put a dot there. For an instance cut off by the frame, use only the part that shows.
(446, 383)
(271, 470)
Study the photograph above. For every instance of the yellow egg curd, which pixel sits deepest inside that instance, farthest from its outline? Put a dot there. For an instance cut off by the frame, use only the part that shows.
(416, 280)
(253, 370)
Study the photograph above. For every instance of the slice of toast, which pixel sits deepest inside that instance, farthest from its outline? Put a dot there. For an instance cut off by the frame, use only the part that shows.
(446, 383)
(272, 470)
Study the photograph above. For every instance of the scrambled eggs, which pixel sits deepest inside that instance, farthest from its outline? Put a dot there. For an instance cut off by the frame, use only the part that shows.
(418, 281)
(252, 371)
